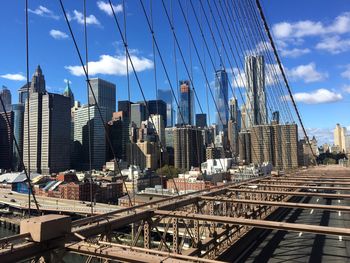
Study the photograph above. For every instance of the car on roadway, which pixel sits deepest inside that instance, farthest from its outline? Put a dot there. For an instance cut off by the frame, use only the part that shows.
(13, 200)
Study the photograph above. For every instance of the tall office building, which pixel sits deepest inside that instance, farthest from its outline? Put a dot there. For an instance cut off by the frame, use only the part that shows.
(233, 127)
(145, 154)
(159, 127)
(157, 107)
(276, 117)
(201, 120)
(97, 137)
(138, 113)
(105, 93)
(23, 93)
(37, 85)
(221, 99)
(244, 143)
(188, 147)
(6, 138)
(256, 111)
(68, 93)
(167, 96)
(125, 106)
(5, 95)
(185, 115)
(285, 146)
(18, 121)
(340, 137)
(49, 129)
(261, 143)
(118, 131)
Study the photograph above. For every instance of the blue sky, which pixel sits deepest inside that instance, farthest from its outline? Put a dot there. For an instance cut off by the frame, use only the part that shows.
(313, 38)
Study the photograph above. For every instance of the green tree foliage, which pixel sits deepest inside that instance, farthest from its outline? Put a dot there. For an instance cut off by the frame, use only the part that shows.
(169, 171)
(330, 158)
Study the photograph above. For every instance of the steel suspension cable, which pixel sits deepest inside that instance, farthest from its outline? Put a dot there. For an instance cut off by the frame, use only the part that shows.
(91, 89)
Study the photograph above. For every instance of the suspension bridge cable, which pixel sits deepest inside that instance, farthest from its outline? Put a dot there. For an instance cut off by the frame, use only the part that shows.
(91, 89)
(138, 80)
(283, 73)
(89, 116)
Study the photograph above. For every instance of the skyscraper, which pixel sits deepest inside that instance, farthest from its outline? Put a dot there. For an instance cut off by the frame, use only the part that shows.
(158, 126)
(157, 107)
(5, 95)
(185, 116)
(138, 113)
(167, 96)
(18, 120)
(97, 137)
(245, 147)
(221, 99)
(118, 130)
(49, 129)
(340, 137)
(23, 93)
(256, 111)
(6, 140)
(201, 120)
(188, 147)
(285, 146)
(125, 106)
(37, 84)
(261, 144)
(105, 93)
(233, 127)
(68, 93)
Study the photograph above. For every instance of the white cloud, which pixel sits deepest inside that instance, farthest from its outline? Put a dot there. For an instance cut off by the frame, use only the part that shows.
(16, 77)
(294, 52)
(346, 73)
(112, 65)
(307, 73)
(239, 79)
(317, 96)
(79, 17)
(56, 34)
(43, 11)
(322, 135)
(334, 44)
(346, 88)
(285, 30)
(105, 7)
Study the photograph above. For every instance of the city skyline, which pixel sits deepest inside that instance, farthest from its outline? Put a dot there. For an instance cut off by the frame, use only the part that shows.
(303, 53)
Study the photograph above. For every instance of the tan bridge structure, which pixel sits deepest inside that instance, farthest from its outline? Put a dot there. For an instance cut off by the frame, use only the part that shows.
(196, 227)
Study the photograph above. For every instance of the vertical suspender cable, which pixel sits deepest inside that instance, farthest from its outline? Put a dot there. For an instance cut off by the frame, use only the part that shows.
(283, 74)
(87, 89)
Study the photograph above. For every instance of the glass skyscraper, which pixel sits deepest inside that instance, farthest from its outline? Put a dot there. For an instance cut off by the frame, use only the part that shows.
(221, 99)
(167, 97)
(186, 103)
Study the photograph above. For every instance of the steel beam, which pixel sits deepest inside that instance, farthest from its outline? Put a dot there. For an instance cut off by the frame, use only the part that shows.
(292, 193)
(265, 224)
(280, 204)
(305, 182)
(303, 186)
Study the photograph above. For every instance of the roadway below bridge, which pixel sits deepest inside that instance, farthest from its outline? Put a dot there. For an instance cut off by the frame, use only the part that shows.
(20, 201)
(281, 246)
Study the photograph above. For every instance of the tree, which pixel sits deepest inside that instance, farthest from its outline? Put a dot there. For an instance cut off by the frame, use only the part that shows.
(169, 171)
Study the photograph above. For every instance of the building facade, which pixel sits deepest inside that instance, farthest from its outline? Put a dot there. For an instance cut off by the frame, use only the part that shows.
(221, 99)
(97, 138)
(256, 111)
(6, 98)
(188, 147)
(185, 115)
(105, 93)
(6, 139)
(167, 96)
(18, 122)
